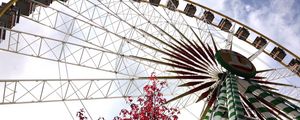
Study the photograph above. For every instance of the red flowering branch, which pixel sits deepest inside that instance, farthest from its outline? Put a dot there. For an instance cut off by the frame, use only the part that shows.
(151, 106)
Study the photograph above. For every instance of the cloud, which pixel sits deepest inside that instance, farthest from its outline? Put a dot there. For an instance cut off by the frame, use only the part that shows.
(214, 4)
(277, 19)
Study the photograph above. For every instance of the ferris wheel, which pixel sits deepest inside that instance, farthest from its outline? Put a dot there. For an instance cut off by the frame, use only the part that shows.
(78, 51)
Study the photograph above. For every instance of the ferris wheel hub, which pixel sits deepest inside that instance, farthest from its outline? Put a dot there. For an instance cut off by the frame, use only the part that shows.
(235, 63)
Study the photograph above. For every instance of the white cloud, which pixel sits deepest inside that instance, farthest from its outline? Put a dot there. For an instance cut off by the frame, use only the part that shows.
(214, 4)
(277, 19)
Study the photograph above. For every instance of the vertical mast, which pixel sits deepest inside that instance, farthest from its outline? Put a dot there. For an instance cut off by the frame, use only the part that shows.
(234, 104)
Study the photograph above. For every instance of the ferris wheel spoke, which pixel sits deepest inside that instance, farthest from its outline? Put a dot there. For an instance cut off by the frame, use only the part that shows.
(184, 102)
(193, 98)
(285, 96)
(183, 52)
(184, 67)
(198, 88)
(214, 33)
(273, 83)
(256, 54)
(209, 51)
(156, 38)
(277, 74)
(229, 39)
(207, 108)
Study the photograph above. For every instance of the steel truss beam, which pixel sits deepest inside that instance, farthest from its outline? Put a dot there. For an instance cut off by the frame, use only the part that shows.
(68, 52)
(103, 36)
(81, 28)
(55, 90)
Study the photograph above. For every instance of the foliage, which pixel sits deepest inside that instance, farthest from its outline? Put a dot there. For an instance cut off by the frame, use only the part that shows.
(148, 107)
(151, 106)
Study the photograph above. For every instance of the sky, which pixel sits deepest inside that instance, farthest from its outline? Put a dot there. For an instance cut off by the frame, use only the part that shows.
(277, 19)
